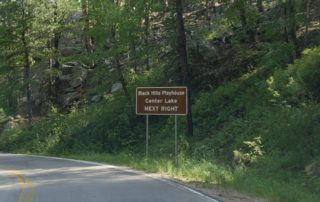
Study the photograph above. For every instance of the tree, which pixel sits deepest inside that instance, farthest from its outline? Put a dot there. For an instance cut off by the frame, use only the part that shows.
(260, 5)
(25, 29)
(290, 27)
(87, 39)
(183, 57)
(18, 46)
(56, 13)
(32, 48)
(10, 74)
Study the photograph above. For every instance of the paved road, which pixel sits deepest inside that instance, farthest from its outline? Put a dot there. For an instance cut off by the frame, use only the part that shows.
(40, 179)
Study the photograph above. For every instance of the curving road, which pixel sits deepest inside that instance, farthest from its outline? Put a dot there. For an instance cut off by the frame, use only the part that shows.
(25, 178)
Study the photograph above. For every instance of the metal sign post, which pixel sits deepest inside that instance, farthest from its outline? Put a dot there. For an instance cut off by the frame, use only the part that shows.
(162, 101)
(176, 138)
(147, 135)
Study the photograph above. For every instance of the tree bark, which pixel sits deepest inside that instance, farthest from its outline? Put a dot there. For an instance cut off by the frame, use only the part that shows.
(26, 55)
(285, 13)
(293, 26)
(260, 5)
(87, 39)
(208, 18)
(56, 66)
(165, 6)
(146, 36)
(133, 55)
(182, 51)
(121, 76)
(118, 64)
(308, 21)
(242, 11)
(56, 63)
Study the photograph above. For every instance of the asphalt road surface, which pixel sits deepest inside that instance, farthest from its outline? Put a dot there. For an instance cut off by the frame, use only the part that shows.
(26, 178)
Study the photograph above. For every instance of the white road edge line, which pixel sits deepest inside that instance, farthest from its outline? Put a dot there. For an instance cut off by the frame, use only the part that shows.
(127, 169)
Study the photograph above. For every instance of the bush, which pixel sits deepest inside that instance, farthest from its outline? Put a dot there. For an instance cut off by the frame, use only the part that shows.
(307, 71)
(299, 81)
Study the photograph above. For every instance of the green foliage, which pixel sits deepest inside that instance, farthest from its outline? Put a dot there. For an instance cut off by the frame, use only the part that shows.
(276, 185)
(2, 114)
(278, 55)
(249, 153)
(308, 71)
(214, 109)
(298, 81)
(105, 127)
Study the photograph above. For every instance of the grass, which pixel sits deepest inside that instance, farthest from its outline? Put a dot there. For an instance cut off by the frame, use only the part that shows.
(253, 181)
(185, 169)
(273, 188)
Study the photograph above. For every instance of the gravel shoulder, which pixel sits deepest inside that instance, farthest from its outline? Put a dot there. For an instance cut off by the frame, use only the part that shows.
(222, 193)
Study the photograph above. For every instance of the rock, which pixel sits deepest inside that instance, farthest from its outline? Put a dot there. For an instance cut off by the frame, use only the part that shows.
(3, 121)
(107, 62)
(65, 77)
(73, 77)
(24, 99)
(79, 76)
(71, 40)
(312, 169)
(96, 98)
(10, 125)
(116, 87)
(18, 117)
(69, 97)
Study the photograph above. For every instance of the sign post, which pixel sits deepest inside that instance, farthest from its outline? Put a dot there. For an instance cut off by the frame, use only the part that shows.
(147, 135)
(176, 137)
(162, 101)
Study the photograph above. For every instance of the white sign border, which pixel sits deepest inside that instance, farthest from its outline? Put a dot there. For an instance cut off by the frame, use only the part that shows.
(187, 100)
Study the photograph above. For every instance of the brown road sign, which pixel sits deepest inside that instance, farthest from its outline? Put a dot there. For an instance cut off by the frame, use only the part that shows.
(161, 100)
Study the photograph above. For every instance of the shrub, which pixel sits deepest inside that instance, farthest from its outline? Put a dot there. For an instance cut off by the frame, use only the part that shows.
(307, 71)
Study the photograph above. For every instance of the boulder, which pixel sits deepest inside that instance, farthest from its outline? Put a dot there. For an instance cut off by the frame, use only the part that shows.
(10, 125)
(96, 98)
(116, 87)
(312, 169)
(79, 76)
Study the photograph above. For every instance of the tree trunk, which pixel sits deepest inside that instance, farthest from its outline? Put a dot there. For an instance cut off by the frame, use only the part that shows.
(207, 8)
(285, 13)
(56, 66)
(118, 64)
(122, 79)
(260, 5)
(121, 76)
(182, 51)
(55, 60)
(26, 65)
(50, 79)
(146, 36)
(242, 11)
(293, 27)
(87, 39)
(214, 7)
(308, 21)
(165, 6)
(133, 55)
